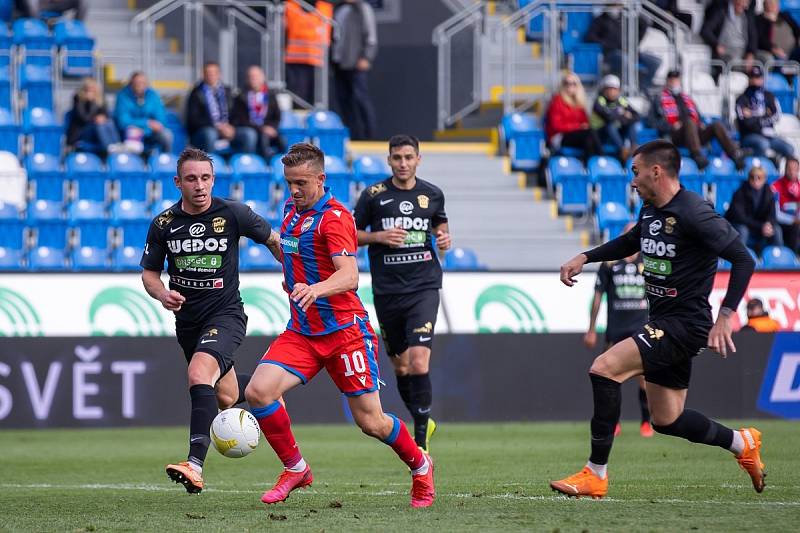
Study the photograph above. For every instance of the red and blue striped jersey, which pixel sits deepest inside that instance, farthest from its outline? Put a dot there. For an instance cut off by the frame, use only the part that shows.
(309, 241)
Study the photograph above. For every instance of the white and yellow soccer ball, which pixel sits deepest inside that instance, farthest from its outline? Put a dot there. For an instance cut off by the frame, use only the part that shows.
(235, 432)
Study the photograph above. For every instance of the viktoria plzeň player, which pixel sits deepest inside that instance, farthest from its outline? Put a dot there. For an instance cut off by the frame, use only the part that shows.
(680, 237)
(199, 237)
(404, 213)
(328, 328)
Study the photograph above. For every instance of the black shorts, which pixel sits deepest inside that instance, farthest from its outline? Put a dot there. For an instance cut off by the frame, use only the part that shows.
(219, 336)
(407, 319)
(667, 347)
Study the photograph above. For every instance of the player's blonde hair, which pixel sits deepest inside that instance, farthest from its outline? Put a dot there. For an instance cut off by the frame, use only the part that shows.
(302, 153)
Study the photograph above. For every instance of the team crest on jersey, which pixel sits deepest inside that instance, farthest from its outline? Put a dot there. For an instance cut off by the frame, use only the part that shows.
(164, 218)
(376, 189)
(423, 200)
(307, 223)
(669, 224)
(218, 224)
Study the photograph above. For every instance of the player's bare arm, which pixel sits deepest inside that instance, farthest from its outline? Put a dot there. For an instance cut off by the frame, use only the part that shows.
(443, 241)
(623, 246)
(274, 245)
(572, 268)
(393, 238)
(171, 300)
(742, 266)
(344, 279)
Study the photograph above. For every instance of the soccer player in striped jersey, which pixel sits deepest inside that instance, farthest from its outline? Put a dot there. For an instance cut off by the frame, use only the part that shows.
(328, 328)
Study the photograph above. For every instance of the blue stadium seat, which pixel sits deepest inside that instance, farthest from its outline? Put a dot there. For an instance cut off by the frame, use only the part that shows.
(46, 258)
(223, 177)
(86, 210)
(338, 178)
(126, 258)
(369, 169)
(327, 131)
(88, 175)
(6, 10)
(35, 41)
(133, 232)
(131, 178)
(8, 211)
(610, 178)
(77, 47)
(691, 177)
(262, 208)
(51, 233)
(43, 210)
(292, 128)
(647, 134)
(162, 170)
(13, 235)
(561, 166)
(576, 24)
(462, 259)
(36, 81)
(179, 136)
(362, 259)
(586, 61)
(252, 172)
(11, 259)
(48, 185)
(611, 219)
(762, 162)
(46, 132)
(784, 93)
(724, 177)
(525, 138)
(89, 258)
(9, 132)
(779, 258)
(129, 210)
(257, 257)
(5, 83)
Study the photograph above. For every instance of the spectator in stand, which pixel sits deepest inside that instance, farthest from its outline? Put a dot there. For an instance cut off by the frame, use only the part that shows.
(752, 212)
(757, 113)
(256, 109)
(567, 122)
(671, 6)
(787, 189)
(140, 116)
(355, 45)
(729, 29)
(778, 33)
(758, 318)
(208, 116)
(606, 30)
(90, 128)
(614, 119)
(308, 36)
(36, 8)
(675, 113)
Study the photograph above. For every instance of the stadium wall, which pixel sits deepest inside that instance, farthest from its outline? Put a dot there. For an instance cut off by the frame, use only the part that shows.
(136, 381)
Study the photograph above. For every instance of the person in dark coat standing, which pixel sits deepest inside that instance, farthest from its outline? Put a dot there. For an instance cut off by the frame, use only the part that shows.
(752, 212)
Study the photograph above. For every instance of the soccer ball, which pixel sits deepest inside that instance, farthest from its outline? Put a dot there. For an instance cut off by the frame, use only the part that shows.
(235, 432)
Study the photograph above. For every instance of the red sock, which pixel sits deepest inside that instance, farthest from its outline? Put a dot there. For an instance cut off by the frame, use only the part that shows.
(276, 426)
(403, 445)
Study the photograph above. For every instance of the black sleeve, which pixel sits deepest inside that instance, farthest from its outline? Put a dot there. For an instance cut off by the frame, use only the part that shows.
(713, 231)
(273, 117)
(155, 250)
(603, 278)
(623, 246)
(250, 224)
(742, 266)
(362, 213)
(440, 216)
(239, 115)
(714, 17)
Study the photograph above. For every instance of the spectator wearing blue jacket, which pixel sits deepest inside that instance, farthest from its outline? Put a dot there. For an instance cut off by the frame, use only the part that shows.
(141, 116)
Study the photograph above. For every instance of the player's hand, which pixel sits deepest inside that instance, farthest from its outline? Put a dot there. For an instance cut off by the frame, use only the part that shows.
(719, 338)
(443, 241)
(394, 237)
(172, 300)
(590, 339)
(304, 295)
(572, 268)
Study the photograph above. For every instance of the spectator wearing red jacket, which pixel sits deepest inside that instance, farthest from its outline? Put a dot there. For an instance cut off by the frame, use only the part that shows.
(787, 189)
(567, 121)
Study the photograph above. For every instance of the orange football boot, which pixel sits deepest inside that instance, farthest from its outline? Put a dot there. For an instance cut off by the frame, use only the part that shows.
(584, 483)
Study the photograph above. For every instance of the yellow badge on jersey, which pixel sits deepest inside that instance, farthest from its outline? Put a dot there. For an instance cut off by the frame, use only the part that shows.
(376, 189)
(423, 201)
(669, 224)
(164, 218)
(218, 224)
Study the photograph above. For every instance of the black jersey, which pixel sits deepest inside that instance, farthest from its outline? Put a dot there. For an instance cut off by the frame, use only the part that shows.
(680, 244)
(413, 266)
(623, 284)
(202, 253)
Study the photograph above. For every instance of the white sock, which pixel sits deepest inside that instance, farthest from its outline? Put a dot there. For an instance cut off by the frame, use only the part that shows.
(599, 470)
(737, 446)
(299, 467)
(196, 467)
(423, 469)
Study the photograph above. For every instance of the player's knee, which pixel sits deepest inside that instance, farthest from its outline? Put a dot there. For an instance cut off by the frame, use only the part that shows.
(258, 394)
(198, 376)
(401, 368)
(225, 401)
(601, 367)
(663, 421)
(373, 425)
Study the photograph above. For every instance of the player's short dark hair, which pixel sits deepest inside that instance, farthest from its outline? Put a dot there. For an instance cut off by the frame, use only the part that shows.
(662, 153)
(302, 153)
(403, 140)
(194, 154)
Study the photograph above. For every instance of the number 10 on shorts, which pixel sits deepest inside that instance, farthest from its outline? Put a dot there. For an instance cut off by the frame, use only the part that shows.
(358, 364)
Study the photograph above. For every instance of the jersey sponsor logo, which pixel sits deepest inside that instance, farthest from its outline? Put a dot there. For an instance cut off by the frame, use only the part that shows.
(218, 224)
(173, 230)
(669, 225)
(658, 291)
(290, 245)
(413, 257)
(197, 230)
(415, 238)
(164, 218)
(425, 328)
(307, 223)
(423, 201)
(644, 340)
(406, 207)
(657, 266)
(376, 189)
(406, 223)
(657, 248)
(655, 227)
(653, 333)
(386, 201)
(214, 283)
(424, 339)
(780, 390)
(199, 263)
(211, 244)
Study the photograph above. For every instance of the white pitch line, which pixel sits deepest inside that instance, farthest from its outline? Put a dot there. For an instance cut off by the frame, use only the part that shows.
(506, 496)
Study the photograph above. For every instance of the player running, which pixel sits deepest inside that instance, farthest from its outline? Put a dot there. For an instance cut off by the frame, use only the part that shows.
(680, 237)
(403, 212)
(328, 328)
(199, 236)
(626, 311)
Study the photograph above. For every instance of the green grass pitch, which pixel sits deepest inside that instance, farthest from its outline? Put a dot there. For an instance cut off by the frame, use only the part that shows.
(490, 477)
